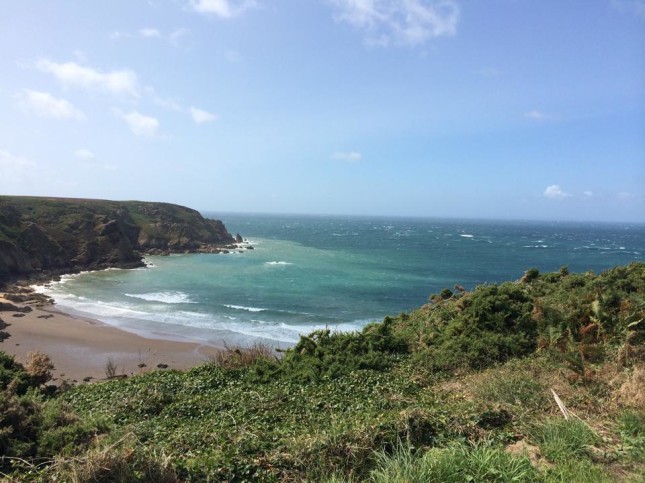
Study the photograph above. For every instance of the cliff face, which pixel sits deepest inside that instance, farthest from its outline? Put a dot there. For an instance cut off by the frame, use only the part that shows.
(59, 235)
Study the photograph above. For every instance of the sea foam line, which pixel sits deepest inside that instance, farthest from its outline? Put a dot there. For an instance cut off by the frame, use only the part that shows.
(248, 309)
(163, 297)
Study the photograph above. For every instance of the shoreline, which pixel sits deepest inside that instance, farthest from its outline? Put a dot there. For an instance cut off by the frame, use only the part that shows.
(80, 348)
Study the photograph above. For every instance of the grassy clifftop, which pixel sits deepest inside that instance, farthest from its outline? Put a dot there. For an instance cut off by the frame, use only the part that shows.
(63, 235)
(461, 389)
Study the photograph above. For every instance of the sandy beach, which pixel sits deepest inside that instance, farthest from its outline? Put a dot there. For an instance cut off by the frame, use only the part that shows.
(80, 348)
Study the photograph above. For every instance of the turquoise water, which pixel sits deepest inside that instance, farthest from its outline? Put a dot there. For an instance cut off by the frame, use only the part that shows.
(338, 272)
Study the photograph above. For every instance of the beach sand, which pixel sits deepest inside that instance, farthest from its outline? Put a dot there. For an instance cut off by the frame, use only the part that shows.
(80, 348)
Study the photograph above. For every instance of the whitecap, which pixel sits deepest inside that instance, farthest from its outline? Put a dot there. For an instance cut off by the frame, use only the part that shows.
(242, 307)
(467, 236)
(163, 297)
(278, 263)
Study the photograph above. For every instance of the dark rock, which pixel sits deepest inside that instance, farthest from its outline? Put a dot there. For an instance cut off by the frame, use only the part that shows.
(8, 307)
(18, 315)
(162, 366)
(238, 238)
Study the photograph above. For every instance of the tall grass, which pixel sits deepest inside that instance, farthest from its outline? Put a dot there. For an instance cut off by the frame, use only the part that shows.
(237, 357)
(562, 440)
(456, 464)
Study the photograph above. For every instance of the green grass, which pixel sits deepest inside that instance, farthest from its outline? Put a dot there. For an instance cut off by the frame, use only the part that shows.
(454, 464)
(562, 440)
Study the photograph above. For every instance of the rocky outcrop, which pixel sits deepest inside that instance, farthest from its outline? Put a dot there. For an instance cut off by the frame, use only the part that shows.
(56, 235)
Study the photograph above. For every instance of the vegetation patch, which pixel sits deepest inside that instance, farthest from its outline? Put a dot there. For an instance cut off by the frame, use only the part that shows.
(438, 394)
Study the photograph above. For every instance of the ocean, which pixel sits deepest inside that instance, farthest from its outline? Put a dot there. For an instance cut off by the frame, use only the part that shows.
(311, 272)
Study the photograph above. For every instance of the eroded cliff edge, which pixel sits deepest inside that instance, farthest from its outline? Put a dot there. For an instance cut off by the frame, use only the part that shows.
(60, 235)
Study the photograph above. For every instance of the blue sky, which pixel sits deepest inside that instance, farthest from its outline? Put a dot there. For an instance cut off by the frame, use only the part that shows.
(524, 109)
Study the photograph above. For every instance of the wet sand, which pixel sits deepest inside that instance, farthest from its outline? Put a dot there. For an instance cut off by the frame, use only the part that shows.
(81, 348)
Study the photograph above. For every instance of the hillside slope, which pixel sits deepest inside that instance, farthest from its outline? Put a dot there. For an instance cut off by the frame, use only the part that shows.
(59, 235)
(458, 390)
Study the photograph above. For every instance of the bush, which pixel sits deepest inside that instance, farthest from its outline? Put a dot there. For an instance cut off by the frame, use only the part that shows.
(13, 374)
(326, 354)
(39, 367)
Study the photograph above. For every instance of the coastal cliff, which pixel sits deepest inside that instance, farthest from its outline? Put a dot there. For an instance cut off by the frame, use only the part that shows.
(62, 235)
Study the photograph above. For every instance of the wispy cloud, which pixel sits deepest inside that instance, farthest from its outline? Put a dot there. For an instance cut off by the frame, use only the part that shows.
(554, 192)
(633, 7)
(403, 22)
(628, 196)
(347, 156)
(14, 169)
(118, 34)
(88, 160)
(222, 8)
(150, 33)
(588, 193)
(537, 116)
(200, 116)
(233, 57)
(176, 36)
(71, 74)
(140, 124)
(84, 154)
(43, 104)
(489, 72)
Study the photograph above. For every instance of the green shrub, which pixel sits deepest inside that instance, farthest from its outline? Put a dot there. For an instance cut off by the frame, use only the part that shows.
(326, 354)
(14, 374)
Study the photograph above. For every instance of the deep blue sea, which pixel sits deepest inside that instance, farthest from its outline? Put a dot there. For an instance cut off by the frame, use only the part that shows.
(308, 272)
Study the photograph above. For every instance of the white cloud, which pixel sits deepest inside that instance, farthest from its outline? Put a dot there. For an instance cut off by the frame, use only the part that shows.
(71, 74)
(554, 192)
(222, 8)
(588, 193)
(348, 157)
(150, 33)
(633, 7)
(45, 105)
(200, 116)
(117, 35)
(406, 22)
(84, 154)
(536, 115)
(141, 125)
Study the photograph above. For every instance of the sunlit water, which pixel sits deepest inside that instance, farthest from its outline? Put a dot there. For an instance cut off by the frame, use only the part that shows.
(338, 272)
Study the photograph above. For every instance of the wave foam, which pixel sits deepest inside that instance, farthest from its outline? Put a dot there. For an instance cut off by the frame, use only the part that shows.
(278, 263)
(163, 297)
(242, 307)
